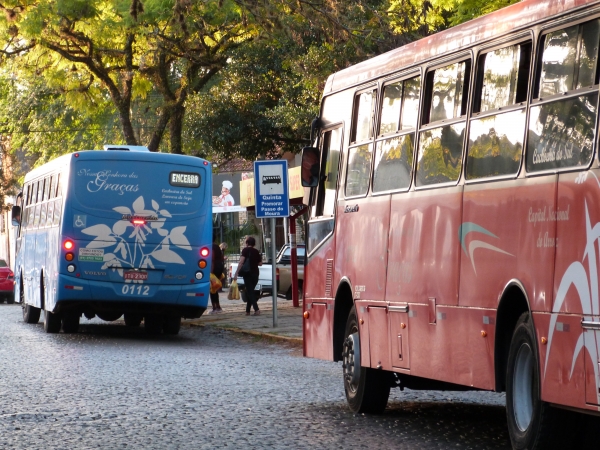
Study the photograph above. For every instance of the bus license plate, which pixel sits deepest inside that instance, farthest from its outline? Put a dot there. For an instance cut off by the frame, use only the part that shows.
(135, 275)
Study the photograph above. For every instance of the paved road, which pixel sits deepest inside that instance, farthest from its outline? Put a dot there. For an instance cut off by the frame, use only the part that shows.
(112, 387)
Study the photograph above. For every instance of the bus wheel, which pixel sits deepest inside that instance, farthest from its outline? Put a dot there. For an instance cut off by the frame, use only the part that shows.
(533, 423)
(153, 324)
(133, 320)
(172, 324)
(70, 323)
(52, 322)
(31, 314)
(367, 390)
(10, 299)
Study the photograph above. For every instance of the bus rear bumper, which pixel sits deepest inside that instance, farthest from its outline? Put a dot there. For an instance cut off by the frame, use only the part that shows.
(74, 294)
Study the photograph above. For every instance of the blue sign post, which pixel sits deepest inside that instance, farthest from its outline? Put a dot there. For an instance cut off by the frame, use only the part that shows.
(271, 191)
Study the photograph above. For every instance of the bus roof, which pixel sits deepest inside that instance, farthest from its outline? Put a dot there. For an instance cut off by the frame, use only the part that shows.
(493, 25)
(114, 155)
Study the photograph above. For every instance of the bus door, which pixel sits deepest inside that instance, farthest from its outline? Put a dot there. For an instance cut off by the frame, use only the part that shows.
(321, 250)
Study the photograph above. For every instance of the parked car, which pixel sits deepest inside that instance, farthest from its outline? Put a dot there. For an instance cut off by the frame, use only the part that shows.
(284, 270)
(7, 283)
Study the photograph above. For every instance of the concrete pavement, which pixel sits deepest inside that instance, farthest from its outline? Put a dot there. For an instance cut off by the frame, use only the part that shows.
(233, 318)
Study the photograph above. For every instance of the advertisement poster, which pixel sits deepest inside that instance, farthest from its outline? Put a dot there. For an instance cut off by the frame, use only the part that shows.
(226, 193)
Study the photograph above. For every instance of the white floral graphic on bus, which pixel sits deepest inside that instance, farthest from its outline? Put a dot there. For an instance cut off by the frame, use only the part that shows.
(138, 254)
(585, 283)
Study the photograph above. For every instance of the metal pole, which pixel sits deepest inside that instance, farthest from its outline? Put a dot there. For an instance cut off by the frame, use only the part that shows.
(294, 257)
(273, 273)
(285, 228)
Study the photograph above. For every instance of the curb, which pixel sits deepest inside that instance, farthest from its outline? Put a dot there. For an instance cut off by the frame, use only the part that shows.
(274, 337)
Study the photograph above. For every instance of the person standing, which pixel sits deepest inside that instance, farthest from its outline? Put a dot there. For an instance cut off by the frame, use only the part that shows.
(250, 279)
(217, 268)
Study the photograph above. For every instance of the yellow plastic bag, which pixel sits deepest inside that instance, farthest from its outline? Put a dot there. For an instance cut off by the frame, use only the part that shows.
(215, 284)
(234, 291)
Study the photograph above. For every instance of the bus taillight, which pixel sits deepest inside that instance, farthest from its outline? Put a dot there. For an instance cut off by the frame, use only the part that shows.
(68, 245)
(69, 256)
(138, 222)
(204, 252)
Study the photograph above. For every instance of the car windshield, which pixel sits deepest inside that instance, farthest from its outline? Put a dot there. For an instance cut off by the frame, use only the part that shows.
(300, 251)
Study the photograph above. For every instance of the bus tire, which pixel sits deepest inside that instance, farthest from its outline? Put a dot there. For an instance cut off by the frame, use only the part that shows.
(70, 323)
(172, 325)
(133, 320)
(367, 390)
(153, 324)
(10, 299)
(31, 314)
(52, 322)
(532, 423)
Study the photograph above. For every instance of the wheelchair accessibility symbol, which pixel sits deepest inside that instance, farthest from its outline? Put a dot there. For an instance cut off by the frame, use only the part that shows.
(79, 221)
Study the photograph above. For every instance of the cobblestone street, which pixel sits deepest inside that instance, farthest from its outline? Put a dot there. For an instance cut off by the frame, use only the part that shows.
(112, 387)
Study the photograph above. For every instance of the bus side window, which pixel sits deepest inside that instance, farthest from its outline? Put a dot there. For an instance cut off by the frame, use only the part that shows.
(40, 193)
(332, 141)
(564, 112)
(496, 138)
(362, 116)
(57, 210)
(439, 158)
(394, 155)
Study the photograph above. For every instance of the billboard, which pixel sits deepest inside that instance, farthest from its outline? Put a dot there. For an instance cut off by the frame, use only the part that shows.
(226, 193)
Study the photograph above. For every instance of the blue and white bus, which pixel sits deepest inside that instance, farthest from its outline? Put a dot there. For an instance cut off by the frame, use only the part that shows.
(112, 233)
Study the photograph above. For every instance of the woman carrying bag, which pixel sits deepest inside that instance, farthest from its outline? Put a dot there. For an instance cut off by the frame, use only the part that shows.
(250, 278)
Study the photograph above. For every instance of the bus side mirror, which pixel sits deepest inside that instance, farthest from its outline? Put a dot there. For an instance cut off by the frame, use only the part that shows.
(310, 166)
(16, 215)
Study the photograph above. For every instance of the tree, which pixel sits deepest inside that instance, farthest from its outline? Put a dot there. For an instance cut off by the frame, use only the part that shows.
(125, 49)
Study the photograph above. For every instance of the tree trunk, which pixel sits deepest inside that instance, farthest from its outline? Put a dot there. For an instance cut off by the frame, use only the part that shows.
(176, 127)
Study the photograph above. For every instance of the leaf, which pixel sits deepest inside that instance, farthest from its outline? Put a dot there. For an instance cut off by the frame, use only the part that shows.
(166, 255)
(120, 227)
(109, 256)
(99, 230)
(162, 232)
(139, 205)
(165, 213)
(122, 210)
(155, 205)
(97, 243)
(177, 238)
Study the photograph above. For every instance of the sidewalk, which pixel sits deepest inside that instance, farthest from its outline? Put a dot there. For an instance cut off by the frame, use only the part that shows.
(233, 318)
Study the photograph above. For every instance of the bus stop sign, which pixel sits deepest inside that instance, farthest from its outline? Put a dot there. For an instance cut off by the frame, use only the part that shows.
(271, 189)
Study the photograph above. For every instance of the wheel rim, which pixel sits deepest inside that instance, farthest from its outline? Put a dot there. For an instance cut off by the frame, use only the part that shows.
(351, 361)
(523, 387)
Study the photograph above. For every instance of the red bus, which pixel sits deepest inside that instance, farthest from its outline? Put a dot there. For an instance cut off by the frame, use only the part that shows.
(454, 217)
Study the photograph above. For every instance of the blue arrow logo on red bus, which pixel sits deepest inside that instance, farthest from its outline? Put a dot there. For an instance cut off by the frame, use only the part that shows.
(469, 227)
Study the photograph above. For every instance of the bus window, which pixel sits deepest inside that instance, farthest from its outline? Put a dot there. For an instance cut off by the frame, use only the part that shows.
(43, 214)
(332, 141)
(393, 163)
(561, 129)
(390, 108)
(40, 195)
(46, 188)
(448, 91)
(36, 215)
(496, 141)
(359, 169)
(52, 187)
(58, 186)
(33, 196)
(410, 103)
(50, 213)
(363, 116)
(57, 211)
